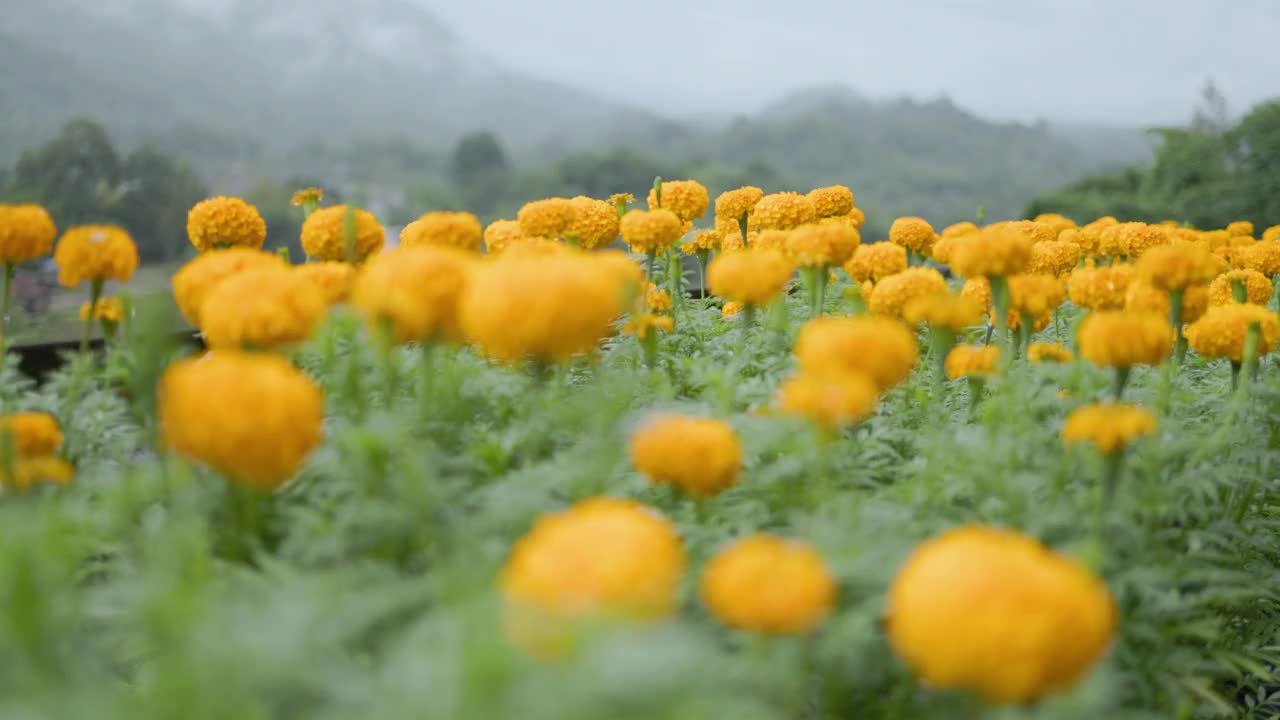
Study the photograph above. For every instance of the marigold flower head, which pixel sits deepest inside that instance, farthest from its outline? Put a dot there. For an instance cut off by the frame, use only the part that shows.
(832, 201)
(1055, 221)
(224, 222)
(699, 456)
(26, 233)
(707, 240)
(1035, 295)
(95, 253)
(1053, 257)
(858, 218)
(1099, 288)
(733, 204)
(644, 325)
(651, 231)
(262, 307)
(252, 417)
(1122, 340)
(822, 245)
(1263, 257)
(959, 229)
(324, 235)
(657, 299)
(31, 471)
(1049, 352)
(456, 229)
(688, 199)
(972, 361)
(771, 240)
(332, 279)
(784, 211)
(195, 280)
(1240, 228)
(1141, 297)
(766, 584)
(1221, 331)
(33, 434)
(595, 222)
(1271, 234)
(550, 218)
(1085, 241)
(1258, 289)
(881, 348)
(1108, 426)
(876, 261)
(621, 198)
(912, 233)
(998, 250)
(1175, 267)
(979, 290)
(944, 310)
(501, 233)
(1112, 239)
(1139, 238)
(731, 309)
(953, 595)
(752, 277)
(831, 400)
(891, 294)
(107, 310)
(414, 291)
(307, 196)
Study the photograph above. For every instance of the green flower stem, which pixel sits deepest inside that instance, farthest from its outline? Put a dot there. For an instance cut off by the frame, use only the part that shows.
(1121, 380)
(1057, 325)
(1175, 319)
(387, 350)
(941, 340)
(1000, 299)
(674, 279)
(1239, 291)
(1113, 463)
(820, 291)
(703, 255)
(355, 368)
(1275, 289)
(742, 227)
(1024, 334)
(95, 294)
(653, 259)
(426, 377)
(9, 269)
(650, 345)
(1250, 355)
(976, 385)
(248, 512)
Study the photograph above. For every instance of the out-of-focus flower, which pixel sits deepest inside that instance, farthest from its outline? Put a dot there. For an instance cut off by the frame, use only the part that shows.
(699, 456)
(751, 277)
(1257, 287)
(766, 584)
(26, 233)
(324, 235)
(829, 399)
(1122, 340)
(1049, 352)
(332, 279)
(822, 245)
(195, 280)
(414, 292)
(892, 294)
(912, 233)
(972, 361)
(262, 307)
(455, 229)
(881, 348)
(1221, 332)
(876, 261)
(1110, 427)
(95, 253)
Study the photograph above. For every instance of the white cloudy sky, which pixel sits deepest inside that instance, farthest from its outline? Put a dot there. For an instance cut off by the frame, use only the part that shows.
(1111, 61)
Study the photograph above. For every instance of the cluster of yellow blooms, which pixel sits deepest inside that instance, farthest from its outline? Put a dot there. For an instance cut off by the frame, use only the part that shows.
(29, 443)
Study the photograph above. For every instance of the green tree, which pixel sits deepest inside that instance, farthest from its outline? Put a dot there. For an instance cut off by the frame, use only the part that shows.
(154, 195)
(74, 175)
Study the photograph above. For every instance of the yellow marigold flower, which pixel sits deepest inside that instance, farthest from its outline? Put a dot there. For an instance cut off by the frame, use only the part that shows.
(972, 361)
(1049, 352)
(829, 399)
(1120, 339)
(943, 310)
(733, 204)
(108, 309)
(307, 196)
(890, 295)
(857, 218)
(978, 290)
(1111, 239)
(657, 299)
(1038, 322)
(1221, 332)
(876, 261)
(822, 245)
(998, 250)
(1139, 238)
(617, 198)
(1258, 289)
(1035, 295)
(1087, 243)
(766, 584)
(959, 229)
(1271, 234)
(784, 211)
(332, 279)
(456, 229)
(1263, 257)
(550, 218)
(1099, 288)
(26, 233)
(912, 233)
(651, 231)
(595, 222)
(832, 201)
(688, 199)
(700, 456)
(1216, 238)
(415, 292)
(224, 222)
(1053, 257)
(501, 233)
(33, 433)
(1240, 228)
(95, 253)
(252, 417)
(646, 324)
(1175, 267)
(263, 307)
(324, 235)
(770, 240)
(31, 471)
(195, 280)
(705, 240)
(1109, 426)
(731, 308)
(544, 307)
(956, 589)
(881, 348)
(1141, 297)
(750, 277)
(1056, 221)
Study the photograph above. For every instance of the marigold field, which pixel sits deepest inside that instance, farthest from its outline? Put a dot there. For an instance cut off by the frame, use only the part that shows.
(1026, 469)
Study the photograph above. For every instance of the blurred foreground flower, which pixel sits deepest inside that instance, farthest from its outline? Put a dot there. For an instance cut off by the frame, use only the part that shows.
(699, 456)
(456, 229)
(95, 253)
(338, 235)
(194, 281)
(1110, 427)
(769, 585)
(882, 349)
(262, 308)
(413, 293)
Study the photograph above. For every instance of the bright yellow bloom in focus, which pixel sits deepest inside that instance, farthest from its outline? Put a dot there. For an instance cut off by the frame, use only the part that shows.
(890, 295)
(224, 222)
(108, 309)
(1258, 289)
(262, 308)
(731, 309)
(1120, 339)
(595, 222)
(1056, 221)
(34, 434)
(832, 201)
(1099, 288)
(651, 231)
(252, 417)
(1140, 238)
(324, 235)
(944, 310)
(733, 204)
(26, 233)
(1240, 228)
(822, 245)
(784, 211)
(857, 218)
(31, 471)
(751, 277)
(688, 199)
(1263, 257)
(1141, 297)
(657, 299)
(1109, 426)
(1221, 332)
(830, 400)
(999, 250)
(1035, 295)
(699, 456)
(95, 253)
(332, 279)
(195, 280)
(455, 229)
(646, 324)
(1175, 267)
(972, 361)
(1053, 257)
(912, 233)
(996, 612)
(1049, 352)
(550, 218)
(766, 584)
(876, 261)
(415, 292)
(881, 348)
(501, 233)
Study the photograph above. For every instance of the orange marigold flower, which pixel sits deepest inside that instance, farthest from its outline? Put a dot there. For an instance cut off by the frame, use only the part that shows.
(324, 235)
(1139, 238)
(881, 348)
(700, 456)
(858, 218)
(646, 324)
(1240, 228)
(1110, 427)
(912, 233)
(733, 204)
(944, 310)
(195, 280)
(414, 292)
(822, 245)
(978, 290)
(1056, 221)
(1141, 297)
(263, 307)
(1099, 288)
(1258, 289)
(751, 277)
(95, 253)
(33, 434)
(500, 234)
(332, 279)
(1271, 234)
(1263, 257)
(1221, 332)
(31, 471)
(26, 233)
(972, 361)
(1049, 352)
(455, 229)
(657, 299)
(651, 231)
(876, 261)
(1175, 267)
(107, 310)
(688, 199)
(891, 294)
(998, 250)
(830, 400)
(1035, 295)
(784, 211)
(731, 309)
(595, 222)
(549, 218)
(704, 240)
(832, 201)
(768, 585)
(1120, 339)
(224, 222)
(1053, 257)
(306, 196)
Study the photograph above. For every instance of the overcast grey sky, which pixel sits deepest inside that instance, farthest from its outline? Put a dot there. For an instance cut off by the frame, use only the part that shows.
(1107, 61)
